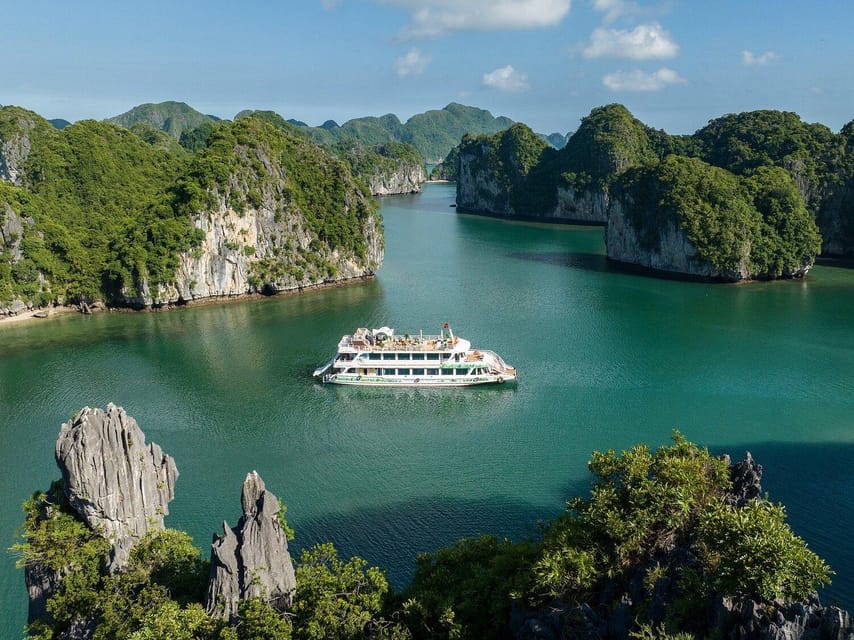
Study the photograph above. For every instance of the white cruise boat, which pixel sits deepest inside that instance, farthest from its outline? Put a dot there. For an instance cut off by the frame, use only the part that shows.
(378, 357)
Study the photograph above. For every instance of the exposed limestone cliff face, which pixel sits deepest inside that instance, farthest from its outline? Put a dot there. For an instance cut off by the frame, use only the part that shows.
(119, 485)
(11, 232)
(589, 206)
(407, 178)
(479, 190)
(251, 559)
(15, 145)
(674, 253)
(258, 237)
(225, 263)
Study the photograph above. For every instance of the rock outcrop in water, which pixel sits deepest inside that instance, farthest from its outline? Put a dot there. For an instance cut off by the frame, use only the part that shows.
(116, 483)
(251, 559)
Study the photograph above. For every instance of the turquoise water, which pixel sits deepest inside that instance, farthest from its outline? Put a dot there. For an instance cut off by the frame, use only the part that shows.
(606, 359)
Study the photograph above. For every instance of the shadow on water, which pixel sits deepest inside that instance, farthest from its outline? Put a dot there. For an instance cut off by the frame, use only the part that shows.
(585, 261)
(841, 262)
(391, 537)
(815, 483)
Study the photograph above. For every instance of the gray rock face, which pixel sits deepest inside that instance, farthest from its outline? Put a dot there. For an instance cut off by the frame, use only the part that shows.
(252, 559)
(674, 253)
(233, 242)
(589, 206)
(408, 178)
(477, 190)
(119, 485)
(742, 619)
(746, 479)
(15, 150)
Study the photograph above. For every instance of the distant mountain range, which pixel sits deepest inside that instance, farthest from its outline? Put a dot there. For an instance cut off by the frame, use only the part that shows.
(434, 133)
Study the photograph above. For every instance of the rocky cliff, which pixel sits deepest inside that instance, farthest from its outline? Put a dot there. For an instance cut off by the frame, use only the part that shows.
(251, 559)
(286, 216)
(406, 178)
(671, 253)
(683, 216)
(16, 126)
(119, 485)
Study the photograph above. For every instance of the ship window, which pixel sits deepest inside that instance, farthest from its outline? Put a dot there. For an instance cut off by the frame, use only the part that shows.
(418, 372)
(447, 372)
(462, 372)
(446, 355)
(418, 356)
(388, 356)
(432, 372)
(388, 372)
(432, 356)
(403, 356)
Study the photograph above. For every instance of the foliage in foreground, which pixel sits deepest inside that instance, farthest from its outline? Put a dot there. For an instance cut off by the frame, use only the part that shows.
(660, 526)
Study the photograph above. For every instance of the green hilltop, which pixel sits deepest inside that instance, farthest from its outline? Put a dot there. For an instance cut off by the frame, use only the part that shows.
(172, 117)
(434, 133)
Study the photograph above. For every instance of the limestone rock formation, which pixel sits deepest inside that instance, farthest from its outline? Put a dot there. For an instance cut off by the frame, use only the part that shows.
(588, 206)
(746, 479)
(251, 559)
(744, 619)
(16, 145)
(674, 253)
(119, 485)
(407, 178)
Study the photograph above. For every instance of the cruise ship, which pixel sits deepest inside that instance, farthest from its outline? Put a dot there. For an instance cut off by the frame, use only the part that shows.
(378, 357)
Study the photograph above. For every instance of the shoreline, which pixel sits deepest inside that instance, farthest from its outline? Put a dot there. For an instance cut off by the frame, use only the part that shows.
(65, 310)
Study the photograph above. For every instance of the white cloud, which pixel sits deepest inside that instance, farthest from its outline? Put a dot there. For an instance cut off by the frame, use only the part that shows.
(413, 63)
(432, 18)
(644, 42)
(614, 9)
(637, 80)
(506, 79)
(751, 59)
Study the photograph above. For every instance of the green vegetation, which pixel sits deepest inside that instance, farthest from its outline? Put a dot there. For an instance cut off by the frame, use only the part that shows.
(172, 117)
(433, 133)
(377, 161)
(757, 225)
(660, 533)
(113, 208)
(608, 141)
(104, 219)
(449, 168)
(762, 179)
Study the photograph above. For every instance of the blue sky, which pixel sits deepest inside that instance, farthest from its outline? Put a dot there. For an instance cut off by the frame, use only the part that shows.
(674, 64)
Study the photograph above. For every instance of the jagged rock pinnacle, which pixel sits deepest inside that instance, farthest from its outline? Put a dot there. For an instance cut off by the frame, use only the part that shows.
(119, 485)
(252, 559)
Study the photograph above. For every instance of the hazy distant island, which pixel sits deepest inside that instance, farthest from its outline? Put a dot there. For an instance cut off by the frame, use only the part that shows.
(670, 544)
(750, 196)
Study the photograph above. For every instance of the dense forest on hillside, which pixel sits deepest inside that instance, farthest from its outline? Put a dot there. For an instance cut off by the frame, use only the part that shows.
(97, 212)
(614, 153)
(663, 537)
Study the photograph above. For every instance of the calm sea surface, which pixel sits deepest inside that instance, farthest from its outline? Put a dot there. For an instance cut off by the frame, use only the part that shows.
(606, 359)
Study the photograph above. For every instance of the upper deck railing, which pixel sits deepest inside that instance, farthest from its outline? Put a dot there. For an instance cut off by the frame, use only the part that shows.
(401, 343)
